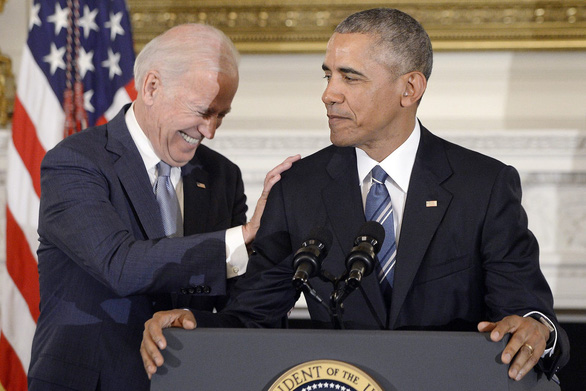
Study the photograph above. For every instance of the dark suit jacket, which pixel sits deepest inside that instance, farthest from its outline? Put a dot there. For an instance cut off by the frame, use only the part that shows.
(470, 258)
(104, 260)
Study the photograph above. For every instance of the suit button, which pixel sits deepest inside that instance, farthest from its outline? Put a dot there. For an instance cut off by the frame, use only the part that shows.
(191, 291)
(198, 289)
(207, 289)
(183, 291)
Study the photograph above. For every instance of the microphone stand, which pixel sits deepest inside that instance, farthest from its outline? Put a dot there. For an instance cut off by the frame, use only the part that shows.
(335, 306)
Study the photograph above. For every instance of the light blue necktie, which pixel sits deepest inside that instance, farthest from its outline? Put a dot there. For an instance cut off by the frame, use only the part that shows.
(380, 209)
(168, 203)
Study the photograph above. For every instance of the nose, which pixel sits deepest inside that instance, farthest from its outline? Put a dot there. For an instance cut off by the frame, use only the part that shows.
(332, 94)
(208, 128)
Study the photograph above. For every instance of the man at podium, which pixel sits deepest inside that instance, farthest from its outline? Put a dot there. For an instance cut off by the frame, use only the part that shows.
(457, 253)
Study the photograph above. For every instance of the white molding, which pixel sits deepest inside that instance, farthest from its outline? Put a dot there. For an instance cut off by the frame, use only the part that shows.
(552, 165)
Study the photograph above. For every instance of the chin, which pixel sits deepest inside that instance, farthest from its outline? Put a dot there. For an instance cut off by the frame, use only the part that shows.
(340, 141)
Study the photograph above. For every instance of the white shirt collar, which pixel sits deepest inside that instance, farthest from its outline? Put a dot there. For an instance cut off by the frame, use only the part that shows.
(398, 165)
(145, 148)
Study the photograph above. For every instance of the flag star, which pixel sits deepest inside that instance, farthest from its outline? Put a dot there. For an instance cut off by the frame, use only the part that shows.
(88, 21)
(87, 101)
(55, 58)
(34, 19)
(114, 25)
(85, 62)
(59, 18)
(112, 63)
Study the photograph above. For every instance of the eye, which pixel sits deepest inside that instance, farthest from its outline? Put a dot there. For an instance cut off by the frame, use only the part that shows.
(327, 77)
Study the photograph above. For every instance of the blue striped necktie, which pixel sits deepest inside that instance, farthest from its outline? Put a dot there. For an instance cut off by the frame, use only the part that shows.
(380, 209)
(168, 202)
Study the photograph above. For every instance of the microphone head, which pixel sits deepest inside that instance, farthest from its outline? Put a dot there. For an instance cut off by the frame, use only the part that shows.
(321, 235)
(372, 232)
(313, 250)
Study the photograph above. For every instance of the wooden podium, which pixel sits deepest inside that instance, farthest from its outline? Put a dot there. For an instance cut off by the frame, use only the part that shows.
(254, 359)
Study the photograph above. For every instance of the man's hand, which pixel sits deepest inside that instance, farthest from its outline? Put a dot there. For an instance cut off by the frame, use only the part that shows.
(273, 176)
(153, 339)
(526, 345)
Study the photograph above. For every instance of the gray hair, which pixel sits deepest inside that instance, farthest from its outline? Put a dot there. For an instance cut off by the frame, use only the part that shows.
(405, 45)
(183, 48)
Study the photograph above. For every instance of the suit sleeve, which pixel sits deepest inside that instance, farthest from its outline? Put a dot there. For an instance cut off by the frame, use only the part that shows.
(514, 282)
(82, 218)
(265, 294)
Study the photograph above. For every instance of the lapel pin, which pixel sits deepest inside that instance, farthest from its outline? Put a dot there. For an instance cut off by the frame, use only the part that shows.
(201, 185)
(431, 204)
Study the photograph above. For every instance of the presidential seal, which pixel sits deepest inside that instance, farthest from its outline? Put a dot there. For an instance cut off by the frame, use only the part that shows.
(325, 375)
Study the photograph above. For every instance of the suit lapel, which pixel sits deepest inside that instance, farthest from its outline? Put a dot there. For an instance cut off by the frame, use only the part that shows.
(343, 202)
(196, 195)
(132, 175)
(425, 207)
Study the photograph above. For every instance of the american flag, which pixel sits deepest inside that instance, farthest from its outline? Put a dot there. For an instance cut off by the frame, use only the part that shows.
(76, 72)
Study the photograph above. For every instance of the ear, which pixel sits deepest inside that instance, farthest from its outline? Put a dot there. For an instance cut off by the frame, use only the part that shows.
(151, 87)
(415, 85)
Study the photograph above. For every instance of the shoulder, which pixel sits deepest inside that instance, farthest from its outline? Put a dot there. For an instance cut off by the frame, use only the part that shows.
(318, 162)
(434, 149)
(89, 143)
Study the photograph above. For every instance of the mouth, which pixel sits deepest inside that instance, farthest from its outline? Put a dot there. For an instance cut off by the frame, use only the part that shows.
(190, 140)
(336, 117)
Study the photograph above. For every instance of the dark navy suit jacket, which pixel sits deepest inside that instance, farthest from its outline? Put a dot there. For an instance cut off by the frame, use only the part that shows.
(104, 261)
(464, 258)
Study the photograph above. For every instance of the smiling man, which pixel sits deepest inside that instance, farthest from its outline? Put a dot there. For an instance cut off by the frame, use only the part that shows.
(457, 253)
(111, 252)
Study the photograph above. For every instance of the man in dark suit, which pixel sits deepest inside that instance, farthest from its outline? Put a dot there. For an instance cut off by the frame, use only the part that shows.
(464, 259)
(106, 259)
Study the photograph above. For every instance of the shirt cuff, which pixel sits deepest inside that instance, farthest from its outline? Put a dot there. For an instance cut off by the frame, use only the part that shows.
(538, 316)
(236, 252)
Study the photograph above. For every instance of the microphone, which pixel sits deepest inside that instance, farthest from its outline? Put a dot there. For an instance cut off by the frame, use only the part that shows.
(307, 260)
(360, 260)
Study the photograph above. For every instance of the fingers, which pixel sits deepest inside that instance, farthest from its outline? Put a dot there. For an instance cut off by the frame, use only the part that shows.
(249, 229)
(486, 327)
(274, 175)
(153, 340)
(526, 345)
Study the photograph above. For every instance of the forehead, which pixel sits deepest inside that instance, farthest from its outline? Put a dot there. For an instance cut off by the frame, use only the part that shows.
(352, 50)
(208, 84)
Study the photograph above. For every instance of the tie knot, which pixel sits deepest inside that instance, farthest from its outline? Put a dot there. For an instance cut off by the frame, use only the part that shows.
(164, 169)
(378, 174)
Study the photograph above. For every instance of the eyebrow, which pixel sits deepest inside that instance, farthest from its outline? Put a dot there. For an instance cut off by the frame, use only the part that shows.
(346, 70)
(211, 110)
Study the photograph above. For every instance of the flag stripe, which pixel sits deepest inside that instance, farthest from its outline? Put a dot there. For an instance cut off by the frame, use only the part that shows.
(27, 144)
(21, 198)
(21, 327)
(21, 265)
(12, 375)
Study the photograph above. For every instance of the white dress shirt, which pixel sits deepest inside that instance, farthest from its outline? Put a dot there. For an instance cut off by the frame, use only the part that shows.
(236, 253)
(398, 166)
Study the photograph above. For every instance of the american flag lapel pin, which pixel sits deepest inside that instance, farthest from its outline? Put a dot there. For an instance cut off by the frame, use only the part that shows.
(201, 185)
(431, 204)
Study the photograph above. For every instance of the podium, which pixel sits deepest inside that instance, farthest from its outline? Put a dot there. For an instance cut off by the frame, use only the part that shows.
(255, 359)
